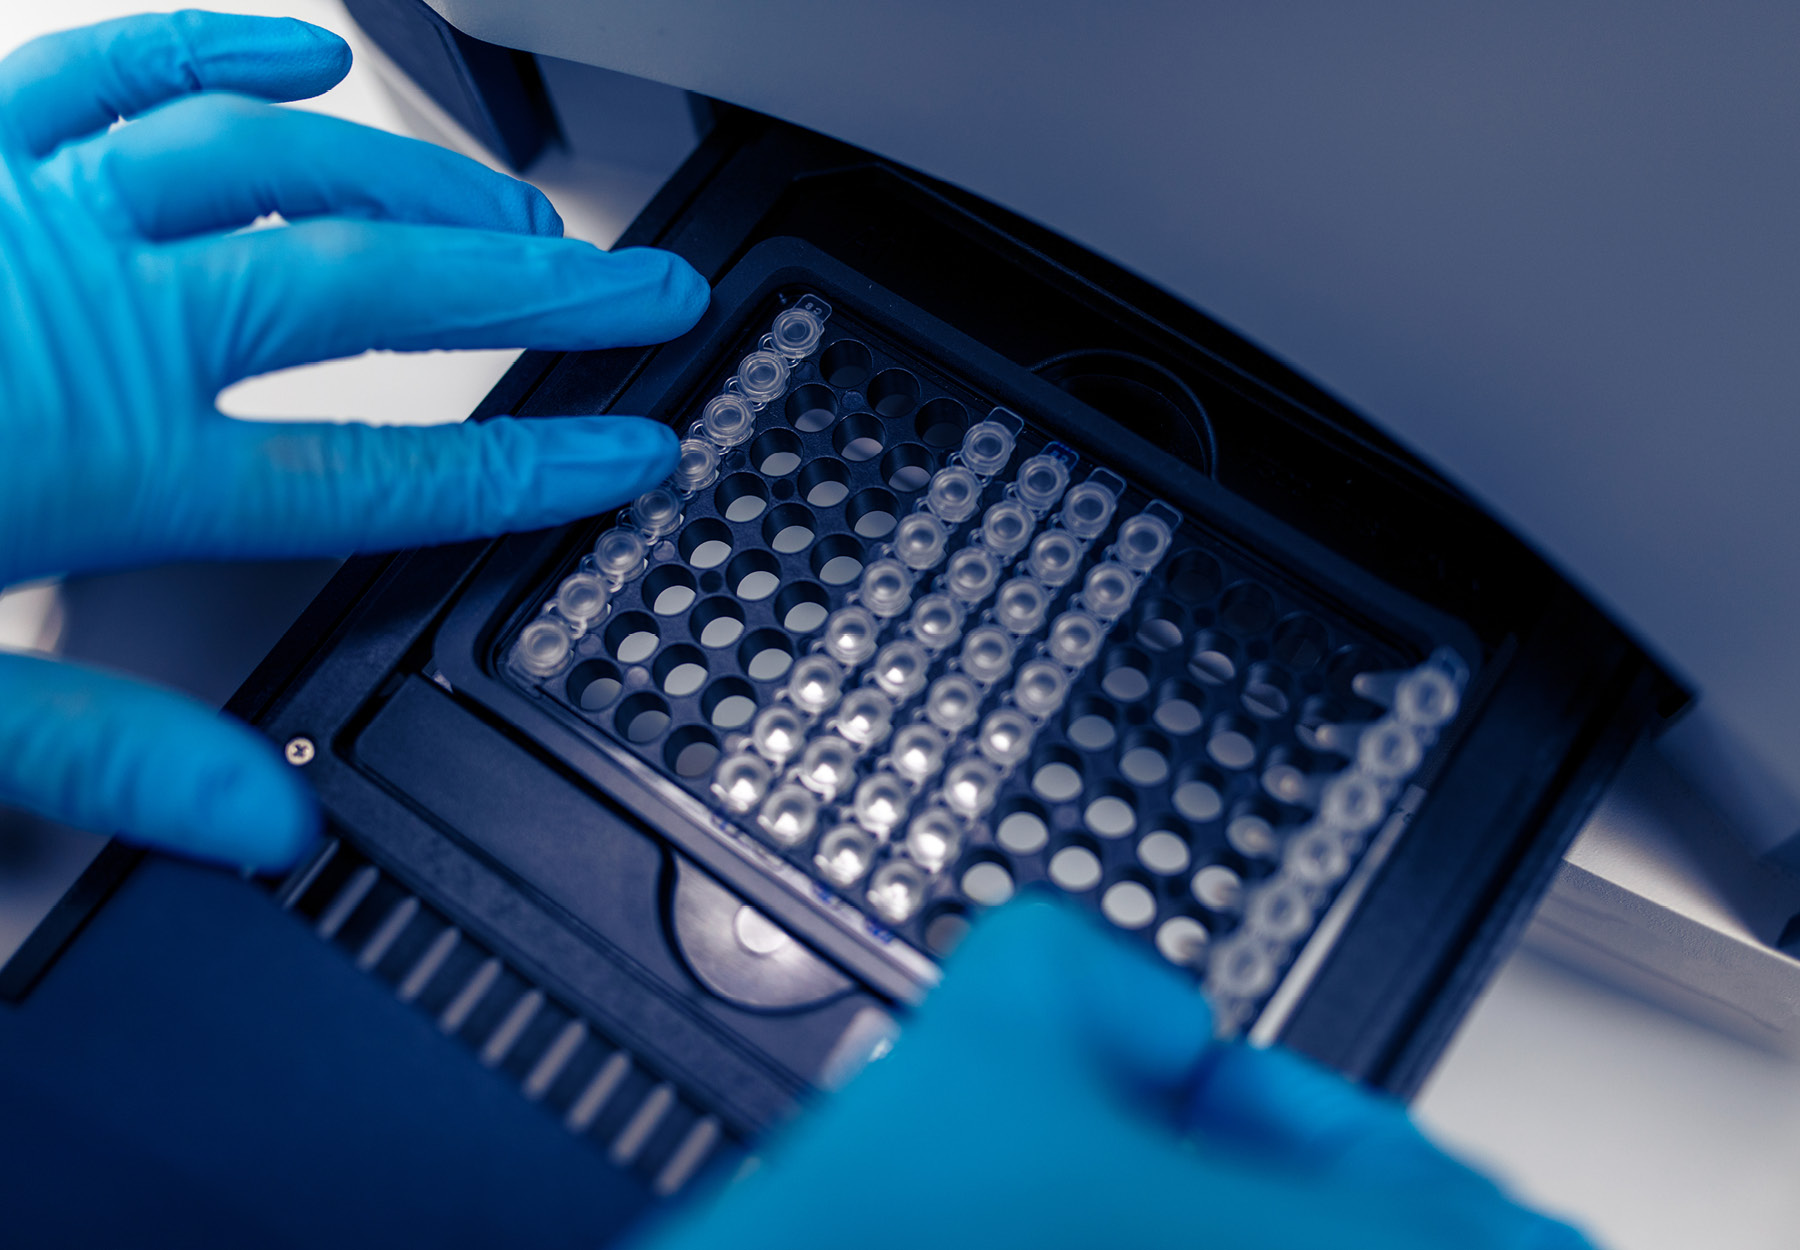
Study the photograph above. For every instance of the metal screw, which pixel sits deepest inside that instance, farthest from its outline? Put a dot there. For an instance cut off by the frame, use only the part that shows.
(300, 751)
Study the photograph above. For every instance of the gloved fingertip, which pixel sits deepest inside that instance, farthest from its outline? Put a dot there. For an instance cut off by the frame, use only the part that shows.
(588, 464)
(324, 56)
(670, 293)
(262, 817)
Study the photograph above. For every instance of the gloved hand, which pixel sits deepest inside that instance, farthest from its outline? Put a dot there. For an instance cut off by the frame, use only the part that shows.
(1061, 1090)
(129, 297)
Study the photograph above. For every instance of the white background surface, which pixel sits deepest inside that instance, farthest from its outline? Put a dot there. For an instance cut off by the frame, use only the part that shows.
(1653, 1133)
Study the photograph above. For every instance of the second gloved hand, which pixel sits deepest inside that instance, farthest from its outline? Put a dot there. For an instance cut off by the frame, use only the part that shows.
(130, 296)
(1060, 1091)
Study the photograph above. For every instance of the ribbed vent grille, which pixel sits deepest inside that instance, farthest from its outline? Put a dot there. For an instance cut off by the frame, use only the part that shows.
(559, 1060)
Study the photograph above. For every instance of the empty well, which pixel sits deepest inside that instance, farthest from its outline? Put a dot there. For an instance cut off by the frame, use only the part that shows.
(907, 467)
(776, 453)
(942, 423)
(824, 482)
(802, 607)
(680, 670)
(642, 717)
(669, 589)
(729, 703)
(691, 752)
(705, 542)
(1023, 830)
(741, 497)
(789, 528)
(859, 437)
(837, 560)
(1199, 793)
(766, 655)
(1300, 643)
(1091, 724)
(845, 363)
(753, 575)
(872, 513)
(1056, 775)
(894, 392)
(594, 685)
(631, 637)
(717, 622)
(811, 407)
(1179, 708)
(1075, 868)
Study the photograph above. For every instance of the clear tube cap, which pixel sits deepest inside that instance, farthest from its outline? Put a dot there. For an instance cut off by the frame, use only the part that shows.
(761, 377)
(581, 600)
(828, 766)
(544, 647)
(920, 540)
(900, 668)
(1040, 688)
(777, 733)
(937, 620)
(1006, 736)
(620, 554)
(657, 512)
(1143, 540)
(1006, 528)
(1021, 606)
(987, 447)
(865, 716)
(1055, 558)
(844, 855)
(1087, 508)
(953, 703)
(850, 635)
(740, 781)
(795, 332)
(987, 654)
(972, 574)
(918, 752)
(728, 420)
(954, 494)
(1075, 638)
(696, 466)
(788, 816)
(1041, 481)
(886, 588)
(933, 838)
(814, 683)
(880, 804)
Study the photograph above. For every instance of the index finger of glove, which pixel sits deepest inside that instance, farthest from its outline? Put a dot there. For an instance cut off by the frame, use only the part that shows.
(104, 753)
(78, 82)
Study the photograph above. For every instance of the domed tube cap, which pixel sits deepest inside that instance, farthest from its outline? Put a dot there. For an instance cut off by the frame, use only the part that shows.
(728, 420)
(740, 781)
(795, 332)
(1040, 482)
(581, 601)
(954, 494)
(620, 555)
(987, 447)
(886, 588)
(851, 634)
(761, 377)
(544, 647)
(657, 511)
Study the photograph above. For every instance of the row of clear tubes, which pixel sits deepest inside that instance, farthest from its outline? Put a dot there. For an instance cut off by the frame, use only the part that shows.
(1281, 911)
(622, 553)
(843, 708)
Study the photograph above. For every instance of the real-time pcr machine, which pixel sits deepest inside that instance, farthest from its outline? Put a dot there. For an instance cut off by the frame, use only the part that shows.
(992, 564)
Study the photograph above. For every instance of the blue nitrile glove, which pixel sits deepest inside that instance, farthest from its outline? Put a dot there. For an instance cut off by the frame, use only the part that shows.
(130, 296)
(1038, 1100)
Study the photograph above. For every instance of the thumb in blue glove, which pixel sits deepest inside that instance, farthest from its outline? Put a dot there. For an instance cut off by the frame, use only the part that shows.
(1060, 1090)
(132, 297)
